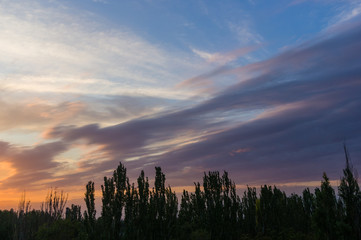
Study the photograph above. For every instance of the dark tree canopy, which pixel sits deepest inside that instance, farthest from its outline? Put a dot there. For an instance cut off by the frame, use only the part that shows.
(214, 210)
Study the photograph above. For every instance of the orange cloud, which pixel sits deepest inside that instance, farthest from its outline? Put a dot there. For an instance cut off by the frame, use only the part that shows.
(6, 171)
(238, 151)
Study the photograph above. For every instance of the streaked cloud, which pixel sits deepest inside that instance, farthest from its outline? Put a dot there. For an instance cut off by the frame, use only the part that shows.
(224, 58)
(79, 94)
(347, 12)
(56, 51)
(302, 106)
(206, 83)
(245, 33)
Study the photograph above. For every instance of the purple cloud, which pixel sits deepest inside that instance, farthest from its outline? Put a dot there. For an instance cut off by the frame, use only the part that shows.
(300, 106)
(32, 165)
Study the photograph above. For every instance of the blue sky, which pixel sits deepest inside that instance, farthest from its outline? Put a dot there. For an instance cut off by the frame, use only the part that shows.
(220, 26)
(267, 90)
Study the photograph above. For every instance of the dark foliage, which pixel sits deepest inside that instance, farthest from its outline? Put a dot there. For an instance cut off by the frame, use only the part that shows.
(213, 211)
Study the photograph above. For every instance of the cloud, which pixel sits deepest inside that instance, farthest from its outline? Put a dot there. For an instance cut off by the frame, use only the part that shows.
(39, 158)
(34, 114)
(291, 117)
(33, 166)
(49, 48)
(284, 121)
(244, 33)
(100, 1)
(3, 147)
(205, 82)
(135, 136)
(224, 58)
(347, 12)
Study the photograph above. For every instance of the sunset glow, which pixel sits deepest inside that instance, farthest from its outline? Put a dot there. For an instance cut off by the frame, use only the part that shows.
(266, 91)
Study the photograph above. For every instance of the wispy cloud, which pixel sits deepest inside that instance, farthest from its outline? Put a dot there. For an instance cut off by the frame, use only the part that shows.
(245, 34)
(283, 121)
(100, 1)
(347, 12)
(300, 109)
(224, 58)
(55, 51)
(205, 82)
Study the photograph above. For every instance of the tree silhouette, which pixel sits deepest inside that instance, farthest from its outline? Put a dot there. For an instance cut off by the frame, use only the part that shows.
(142, 216)
(163, 208)
(108, 191)
(89, 214)
(120, 180)
(349, 193)
(309, 207)
(212, 211)
(326, 210)
(249, 200)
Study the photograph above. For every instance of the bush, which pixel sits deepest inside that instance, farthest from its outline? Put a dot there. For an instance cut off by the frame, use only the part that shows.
(62, 229)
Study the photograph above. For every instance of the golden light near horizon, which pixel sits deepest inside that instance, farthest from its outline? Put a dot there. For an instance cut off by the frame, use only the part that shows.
(6, 170)
(85, 85)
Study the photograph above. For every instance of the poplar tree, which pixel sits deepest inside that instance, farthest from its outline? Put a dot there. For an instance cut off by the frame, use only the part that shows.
(157, 203)
(185, 217)
(108, 192)
(171, 212)
(198, 207)
(249, 211)
(349, 193)
(89, 214)
(120, 182)
(163, 208)
(326, 210)
(308, 199)
(142, 216)
(131, 211)
(212, 185)
(231, 214)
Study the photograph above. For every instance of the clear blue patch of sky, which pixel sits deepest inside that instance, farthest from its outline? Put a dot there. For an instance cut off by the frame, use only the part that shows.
(179, 24)
(286, 24)
(204, 25)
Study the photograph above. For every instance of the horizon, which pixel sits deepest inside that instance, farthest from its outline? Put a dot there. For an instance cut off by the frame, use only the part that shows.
(268, 92)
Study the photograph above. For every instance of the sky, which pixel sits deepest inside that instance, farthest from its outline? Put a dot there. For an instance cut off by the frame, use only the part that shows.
(266, 90)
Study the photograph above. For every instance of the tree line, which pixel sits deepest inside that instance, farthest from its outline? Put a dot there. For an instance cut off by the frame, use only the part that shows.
(213, 211)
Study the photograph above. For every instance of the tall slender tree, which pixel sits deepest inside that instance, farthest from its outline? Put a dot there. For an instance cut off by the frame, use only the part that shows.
(326, 210)
(157, 203)
(171, 212)
(308, 199)
(249, 200)
(108, 225)
(349, 192)
(89, 214)
(198, 206)
(212, 185)
(120, 181)
(131, 209)
(143, 207)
